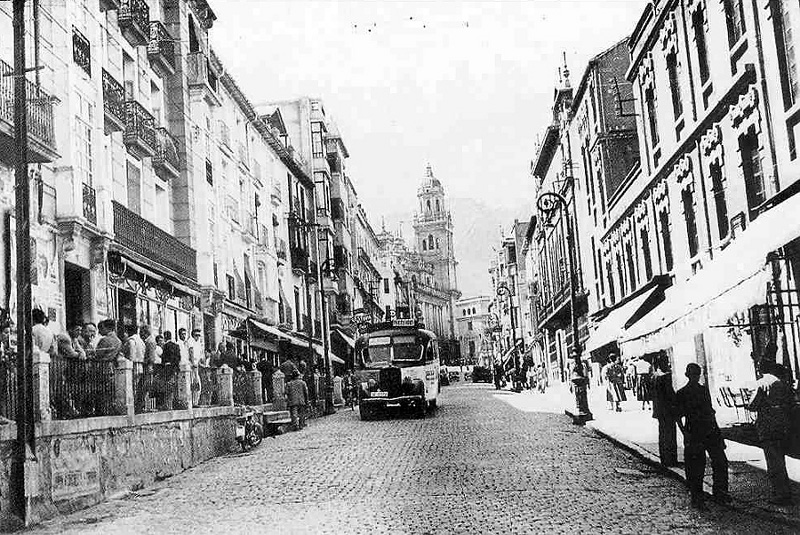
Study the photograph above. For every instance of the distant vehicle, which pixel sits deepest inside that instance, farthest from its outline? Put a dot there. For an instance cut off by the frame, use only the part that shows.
(397, 365)
(481, 374)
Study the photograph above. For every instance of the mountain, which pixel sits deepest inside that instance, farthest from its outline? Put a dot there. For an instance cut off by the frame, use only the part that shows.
(476, 229)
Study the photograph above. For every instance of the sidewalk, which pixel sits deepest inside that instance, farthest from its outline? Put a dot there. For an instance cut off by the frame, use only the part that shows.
(636, 431)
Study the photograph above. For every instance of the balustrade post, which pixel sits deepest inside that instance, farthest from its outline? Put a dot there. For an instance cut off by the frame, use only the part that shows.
(225, 386)
(184, 399)
(278, 391)
(255, 395)
(123, 387)
(41, 385)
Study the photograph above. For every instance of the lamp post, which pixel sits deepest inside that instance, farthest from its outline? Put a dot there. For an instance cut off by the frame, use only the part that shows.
(548, 203)
(503, 289)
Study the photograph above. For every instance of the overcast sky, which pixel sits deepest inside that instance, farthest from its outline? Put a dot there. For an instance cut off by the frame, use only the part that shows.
(466, 86)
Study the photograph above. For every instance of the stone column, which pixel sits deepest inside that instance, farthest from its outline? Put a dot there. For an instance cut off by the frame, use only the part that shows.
(338, 398)
(225, 385)
(184, 399)
(41, 385)
(278, 391)
(123, 383)
(255, 395)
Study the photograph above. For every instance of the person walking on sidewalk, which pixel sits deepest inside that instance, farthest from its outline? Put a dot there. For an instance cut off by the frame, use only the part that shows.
(297, 399)
(644, 382)
(701, 434)
(772, 402)
(664, 412)
(614, 374)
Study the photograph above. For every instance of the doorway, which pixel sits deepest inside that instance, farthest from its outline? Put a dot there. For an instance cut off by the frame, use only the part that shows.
(77, 294)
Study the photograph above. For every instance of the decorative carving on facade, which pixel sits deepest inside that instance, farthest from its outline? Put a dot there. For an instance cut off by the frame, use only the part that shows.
(669, 34)
(660, 192)
(646, 73)
(640, 212)
(711, 140)
(744, 108)
(683, 169)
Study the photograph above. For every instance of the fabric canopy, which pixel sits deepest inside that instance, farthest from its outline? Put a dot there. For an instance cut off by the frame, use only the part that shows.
(735, 280)
(612, 327)
(347, 339)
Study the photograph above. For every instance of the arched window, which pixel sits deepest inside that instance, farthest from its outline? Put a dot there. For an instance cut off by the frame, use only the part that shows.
(424, 245)
(430, 242)
(429, 205)
(437, 205)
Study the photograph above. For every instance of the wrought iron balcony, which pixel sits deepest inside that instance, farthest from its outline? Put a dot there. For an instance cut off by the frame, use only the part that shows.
(113, 103)
(109, 5)
(81, 51)
(152, 243)
(140, 131)
(161, 49)
(166, 161)
(299, 259)
(89, 204)
(201, 76)
(134, 21)
(41, 133)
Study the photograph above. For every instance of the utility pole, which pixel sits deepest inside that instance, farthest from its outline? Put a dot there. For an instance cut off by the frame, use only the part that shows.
(24, 475)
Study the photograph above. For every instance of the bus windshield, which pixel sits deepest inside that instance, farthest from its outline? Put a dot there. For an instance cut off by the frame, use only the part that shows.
(398, 350)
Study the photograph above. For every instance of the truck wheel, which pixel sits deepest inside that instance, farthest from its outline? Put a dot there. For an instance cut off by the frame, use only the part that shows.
(256, 434)
(432, 405)
(366, 412)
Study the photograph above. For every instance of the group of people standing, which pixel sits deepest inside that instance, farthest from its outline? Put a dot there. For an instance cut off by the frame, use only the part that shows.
(692, 411)
(637, 376)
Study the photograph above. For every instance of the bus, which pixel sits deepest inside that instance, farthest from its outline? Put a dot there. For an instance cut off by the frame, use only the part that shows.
(397, 365)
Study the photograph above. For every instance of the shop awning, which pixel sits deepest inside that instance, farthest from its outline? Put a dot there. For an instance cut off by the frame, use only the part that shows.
(612, 327)
(150, 274)
(735, 280)
(509, 353)
(347, 339)
(269, 329)
(333, 357)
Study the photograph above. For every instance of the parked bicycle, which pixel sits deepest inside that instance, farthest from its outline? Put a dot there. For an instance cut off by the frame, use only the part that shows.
(249, 432)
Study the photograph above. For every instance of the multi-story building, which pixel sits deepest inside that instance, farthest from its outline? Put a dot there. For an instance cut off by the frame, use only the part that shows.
(713, 205)
(472, 323)
(587, 152)
(367, 277)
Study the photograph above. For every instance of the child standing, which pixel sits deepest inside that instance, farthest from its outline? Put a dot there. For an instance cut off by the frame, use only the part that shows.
(297, 397)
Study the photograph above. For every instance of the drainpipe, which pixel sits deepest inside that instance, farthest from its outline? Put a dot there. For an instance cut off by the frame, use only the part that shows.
(765, 95)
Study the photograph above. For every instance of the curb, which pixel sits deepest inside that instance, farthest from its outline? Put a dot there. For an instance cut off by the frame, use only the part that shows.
(679, 474)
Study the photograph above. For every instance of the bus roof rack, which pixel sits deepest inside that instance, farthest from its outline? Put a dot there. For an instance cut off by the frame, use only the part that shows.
(394, 324)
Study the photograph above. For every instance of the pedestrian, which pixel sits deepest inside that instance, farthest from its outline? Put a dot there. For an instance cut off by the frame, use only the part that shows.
(229, 356)
(183, 345)
(266, 368)
(614, 374)
(644, 382)
(701, 434)
(498, 375)
(664, 412)
(67, 344)
(772, 402)
(133, 348)
(89, 337)
(195, 349)
(171, 355)
(630, 375)
(297, 400)
(109, 346)
(43, 338)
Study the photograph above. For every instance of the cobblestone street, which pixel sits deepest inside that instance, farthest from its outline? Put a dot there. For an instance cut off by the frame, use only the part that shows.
(477, 466)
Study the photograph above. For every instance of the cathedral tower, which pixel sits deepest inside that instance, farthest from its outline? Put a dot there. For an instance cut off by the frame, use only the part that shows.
(433, 229)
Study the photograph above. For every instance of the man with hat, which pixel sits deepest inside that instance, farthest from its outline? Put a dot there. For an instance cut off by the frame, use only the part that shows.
(701, 434)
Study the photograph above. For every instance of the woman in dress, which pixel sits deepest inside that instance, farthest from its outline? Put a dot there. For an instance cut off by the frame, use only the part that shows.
(614, 374)
(644, 382)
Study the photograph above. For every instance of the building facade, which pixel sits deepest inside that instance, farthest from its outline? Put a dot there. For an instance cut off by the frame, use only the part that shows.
(472, 323)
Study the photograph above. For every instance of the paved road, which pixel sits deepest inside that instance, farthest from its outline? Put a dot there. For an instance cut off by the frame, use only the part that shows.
(478, 466)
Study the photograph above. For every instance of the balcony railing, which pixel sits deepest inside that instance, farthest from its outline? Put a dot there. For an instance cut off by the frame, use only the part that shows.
(161, 49)
(89, 204)
(200, 75)
(134, 21)
(113, 103)
(81, 388)
(299, 259)
(146, 239)
(166, 160)
(41, 133)
(140, 131)
(81, 51)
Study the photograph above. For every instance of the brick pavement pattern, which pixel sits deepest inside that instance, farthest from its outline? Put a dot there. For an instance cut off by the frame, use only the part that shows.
(476, 466)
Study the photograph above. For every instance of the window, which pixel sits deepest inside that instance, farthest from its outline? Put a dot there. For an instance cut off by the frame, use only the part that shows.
(430, 242)
(81, 51)
(699, 26)
(751, 168)
(784, 42)
(386, 286)
(469, 325)
(621, 276)
(162, 207)
(718, 189)
(631, 266)
(209, 173)
(437, 206)
(194, 43)
(610, 279)
(666, 238)
(674, 84)
(317, 142)
(650, 103)
(231, 286)
(84, 161)
(734, 16)
(687, 200)
(424, 245)
(644, 243)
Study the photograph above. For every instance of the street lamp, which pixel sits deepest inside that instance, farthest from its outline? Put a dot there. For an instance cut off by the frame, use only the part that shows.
(548, 203)
(503, 289)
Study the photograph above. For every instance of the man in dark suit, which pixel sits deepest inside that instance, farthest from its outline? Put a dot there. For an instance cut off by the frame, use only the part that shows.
(701, 434)
(664, 412)
(172, 351)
